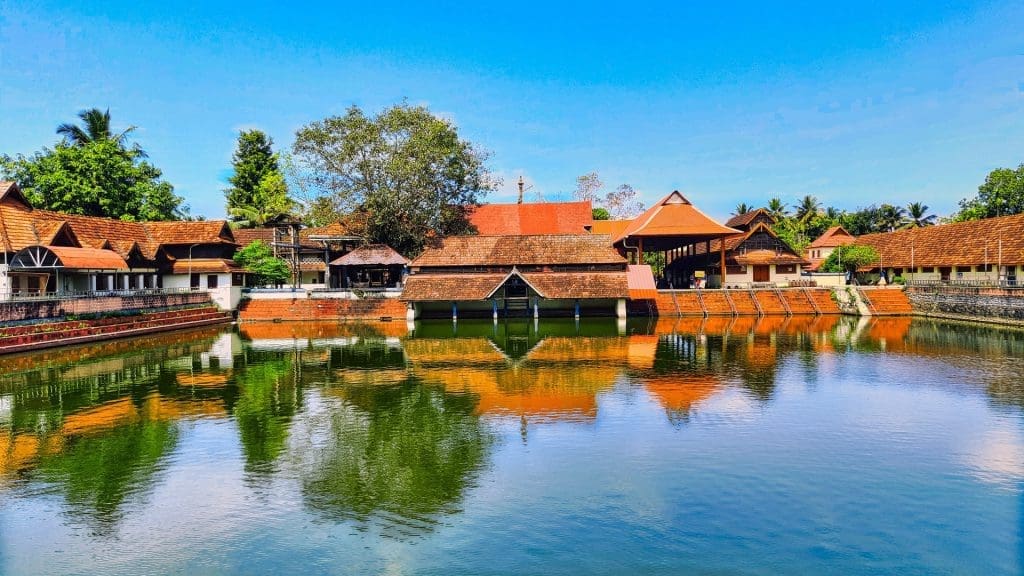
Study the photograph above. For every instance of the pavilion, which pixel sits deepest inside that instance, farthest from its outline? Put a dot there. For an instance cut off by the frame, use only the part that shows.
(674, 227)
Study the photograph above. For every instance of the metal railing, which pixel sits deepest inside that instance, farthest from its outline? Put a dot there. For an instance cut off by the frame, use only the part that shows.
(1011, 282)
(38, 295)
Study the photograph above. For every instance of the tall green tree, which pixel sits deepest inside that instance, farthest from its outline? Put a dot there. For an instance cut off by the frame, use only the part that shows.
(406, 168)
(777, 209)
(263, 267)
(741, 208)
(849, 258)
(95, 178)
(890, 217)
(258, 192)
(917, 216)
(1002, 194)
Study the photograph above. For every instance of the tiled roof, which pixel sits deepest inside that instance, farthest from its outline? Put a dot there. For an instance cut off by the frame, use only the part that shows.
(204, 266)
(956, 244)
(185, 233)
(88, 258)
(446, 287)
(674, 215)
(834, 236)
(583, 285)
(535, 218)
(520, 250)
(246, 236)
(371, 254)
(612, 228)
(641, 282)
(742, 220)
(733, 243)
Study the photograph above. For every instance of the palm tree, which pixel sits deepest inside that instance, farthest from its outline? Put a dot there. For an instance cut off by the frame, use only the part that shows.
(890, 217)
(777, 209)
(833, 213)
(916, 216)
(741, 208)
(95, 128)
(807, 208)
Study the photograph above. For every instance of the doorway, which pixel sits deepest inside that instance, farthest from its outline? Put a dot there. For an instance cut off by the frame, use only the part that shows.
(762, 273)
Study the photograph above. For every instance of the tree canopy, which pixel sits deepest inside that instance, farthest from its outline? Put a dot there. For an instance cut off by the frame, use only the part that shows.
(93, 171)
(99, 178)
(407, 169)
(261, 264)
(1002, 194)
(849, 258)
(258, 192)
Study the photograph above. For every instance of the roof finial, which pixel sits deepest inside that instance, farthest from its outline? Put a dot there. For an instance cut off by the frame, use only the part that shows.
(522, 187)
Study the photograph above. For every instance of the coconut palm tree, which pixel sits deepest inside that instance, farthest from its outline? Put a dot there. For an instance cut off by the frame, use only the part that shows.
(807, 208)
(95, 127)
(890, 217)
(741, 208)
(777, 209)
(915, 216)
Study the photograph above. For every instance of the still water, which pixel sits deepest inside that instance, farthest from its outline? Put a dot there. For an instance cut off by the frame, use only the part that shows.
(802, 446)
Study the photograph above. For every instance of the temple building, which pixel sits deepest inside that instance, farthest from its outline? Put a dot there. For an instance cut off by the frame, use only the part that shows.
(55, 254)
(823, 246)
(491, 276)
(979, 251)
(753, 255)
(308, 251)
(677, 229)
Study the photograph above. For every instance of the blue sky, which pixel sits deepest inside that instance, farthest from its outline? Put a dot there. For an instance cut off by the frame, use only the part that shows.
(854, 103)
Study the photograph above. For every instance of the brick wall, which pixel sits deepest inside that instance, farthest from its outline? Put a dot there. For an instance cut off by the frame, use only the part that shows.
(993, 304)
(29, 310)
(320, 309)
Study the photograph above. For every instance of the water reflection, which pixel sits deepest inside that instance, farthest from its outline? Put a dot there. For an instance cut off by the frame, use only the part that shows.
(390, 428)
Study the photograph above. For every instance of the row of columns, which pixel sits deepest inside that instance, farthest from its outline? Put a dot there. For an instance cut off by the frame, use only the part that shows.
(112, 283)
(687, 250)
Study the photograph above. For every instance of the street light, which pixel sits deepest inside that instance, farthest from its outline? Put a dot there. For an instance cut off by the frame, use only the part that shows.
(190, 266)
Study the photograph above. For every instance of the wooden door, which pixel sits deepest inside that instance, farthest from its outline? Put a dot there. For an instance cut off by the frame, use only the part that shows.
(944, 273)
(762, 274)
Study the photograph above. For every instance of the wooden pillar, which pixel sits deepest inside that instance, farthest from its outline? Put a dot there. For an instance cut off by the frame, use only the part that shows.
(721, 258)
(640, 250)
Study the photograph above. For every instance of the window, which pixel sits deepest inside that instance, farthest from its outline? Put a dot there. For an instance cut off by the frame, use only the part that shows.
(963, 268)
(785, 268)
(238, 279)
(927, 269)
(735, 270)
(985, 268)
(897, 271)
(194, 281)
(211, 281)
(320, 278)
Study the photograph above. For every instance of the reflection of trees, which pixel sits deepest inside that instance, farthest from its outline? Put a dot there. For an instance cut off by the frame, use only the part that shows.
(405, 451)
(266, 403)
(99, 471)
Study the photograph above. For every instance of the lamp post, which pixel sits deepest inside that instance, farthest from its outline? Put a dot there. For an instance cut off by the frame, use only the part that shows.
(190, 267)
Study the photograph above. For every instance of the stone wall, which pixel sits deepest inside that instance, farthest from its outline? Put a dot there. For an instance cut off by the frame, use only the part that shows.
(987, 304)
(32, 310)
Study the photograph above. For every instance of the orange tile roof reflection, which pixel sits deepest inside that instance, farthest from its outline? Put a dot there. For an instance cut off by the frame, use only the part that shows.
(102, 417)
(315, 330)
(681, 392)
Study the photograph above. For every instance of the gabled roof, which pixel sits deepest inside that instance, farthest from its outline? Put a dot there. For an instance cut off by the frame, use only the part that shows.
(956, 244)
(436, 287)
(371, 255)
(742, 220)
(674, 215)
(733, 243)
(520, 250)
(187, 233)
(834, 236)
(72, 258)
(535, 218)
(612, 228)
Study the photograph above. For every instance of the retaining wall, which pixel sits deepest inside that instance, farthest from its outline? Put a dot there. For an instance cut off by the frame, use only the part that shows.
(32, 310)
(969, 303)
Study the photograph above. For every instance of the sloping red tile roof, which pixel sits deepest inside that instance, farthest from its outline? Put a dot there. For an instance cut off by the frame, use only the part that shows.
(742, 220)
(520, 250)
(583, 285)
(205, 266)
(640, 278)
(246, 236)
(186, 233)
(535, 218)
(674, 215)
(834, 236)
(733, 243)
(371, 255)
(956, 244)
(612, 228)
(446, 287)
(88, 258)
